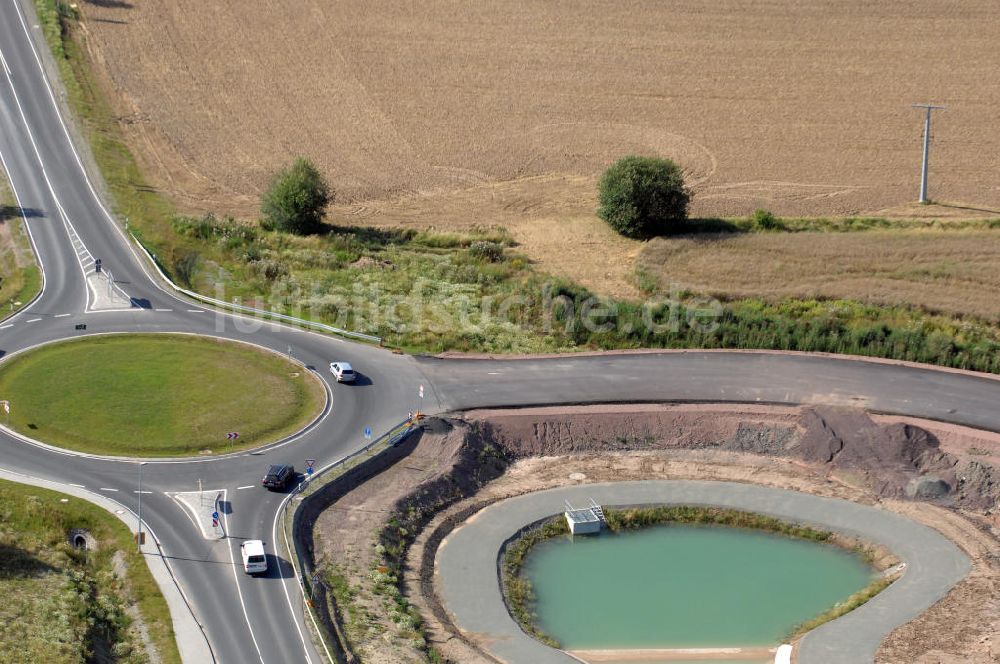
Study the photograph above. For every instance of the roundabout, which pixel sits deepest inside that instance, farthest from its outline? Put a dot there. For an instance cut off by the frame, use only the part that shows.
(157, 395)
(217, 613)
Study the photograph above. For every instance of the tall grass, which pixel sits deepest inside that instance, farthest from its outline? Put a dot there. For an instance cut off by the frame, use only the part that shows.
(63, 605)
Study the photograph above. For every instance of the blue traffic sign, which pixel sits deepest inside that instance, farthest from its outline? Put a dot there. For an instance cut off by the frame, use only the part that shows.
(215, 515)
(309, 470)
(368, 432)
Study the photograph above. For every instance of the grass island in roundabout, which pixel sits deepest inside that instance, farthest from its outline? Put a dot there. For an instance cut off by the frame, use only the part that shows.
(673, 593)
(156, 395)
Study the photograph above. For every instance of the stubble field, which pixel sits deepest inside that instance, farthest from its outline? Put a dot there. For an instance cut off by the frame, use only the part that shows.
(451, 114)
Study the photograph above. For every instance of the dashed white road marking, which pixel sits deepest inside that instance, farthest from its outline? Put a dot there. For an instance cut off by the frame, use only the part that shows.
(248, 486)
(33, 320)
(104, 488)
(136, 491)
(163, 309)
(196, 311)
(79, 485)
(4, 327)
(61, 315)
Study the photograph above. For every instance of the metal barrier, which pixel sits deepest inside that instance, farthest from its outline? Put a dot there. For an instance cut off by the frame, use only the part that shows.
(253, 310)
(313, 588)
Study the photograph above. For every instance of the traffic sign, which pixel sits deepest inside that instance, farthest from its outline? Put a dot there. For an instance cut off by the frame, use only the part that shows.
(232, 435)
(309, 470)
(421, 391)
(215, 515)
(368, 432)
(310, 462)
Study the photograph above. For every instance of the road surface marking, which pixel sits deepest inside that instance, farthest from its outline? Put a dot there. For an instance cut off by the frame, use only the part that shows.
(134, 491)
(79, 485)
(164, 309)
(492, 373)
(61, 315)
(248, 486)
(196, 311)
(284, 585)
(4, 327)
(239, 591)
(104, 488)
(33, 320)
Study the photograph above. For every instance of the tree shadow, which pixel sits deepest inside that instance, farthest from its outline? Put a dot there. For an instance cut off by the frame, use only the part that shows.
(110, 4)
(16, 212)
(16, 563)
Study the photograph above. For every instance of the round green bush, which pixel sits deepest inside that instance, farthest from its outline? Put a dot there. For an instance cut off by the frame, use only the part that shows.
(296, 200)
(643, 196)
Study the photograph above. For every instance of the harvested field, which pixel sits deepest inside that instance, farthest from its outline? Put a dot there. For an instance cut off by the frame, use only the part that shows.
(953, 272)
(450, 114)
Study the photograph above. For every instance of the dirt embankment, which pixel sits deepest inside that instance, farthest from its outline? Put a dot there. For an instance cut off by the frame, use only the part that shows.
(835, 452)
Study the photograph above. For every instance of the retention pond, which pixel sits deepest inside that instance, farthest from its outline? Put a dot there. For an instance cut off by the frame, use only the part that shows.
(668, 587)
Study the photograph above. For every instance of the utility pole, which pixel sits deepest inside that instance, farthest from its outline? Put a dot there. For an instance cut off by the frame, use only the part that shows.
(927, 148)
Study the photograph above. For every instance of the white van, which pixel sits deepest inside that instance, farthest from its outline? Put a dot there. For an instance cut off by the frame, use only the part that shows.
(254, 560)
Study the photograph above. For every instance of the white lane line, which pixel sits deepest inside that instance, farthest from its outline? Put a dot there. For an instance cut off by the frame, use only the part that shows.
(61, 315)
(104, 488)
(284, 585)
(33, 320)
(236, 578)
(248, 486)
(163, 309)
(196, 311)
(136, 491)
(79, 485)
(4, 327)
(3, 61)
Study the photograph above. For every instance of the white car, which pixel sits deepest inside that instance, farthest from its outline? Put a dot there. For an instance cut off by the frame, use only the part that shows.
(254, 558)
(343, 372)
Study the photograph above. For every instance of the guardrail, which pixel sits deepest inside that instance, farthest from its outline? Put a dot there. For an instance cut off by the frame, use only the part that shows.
(313, 588)
(263, 313)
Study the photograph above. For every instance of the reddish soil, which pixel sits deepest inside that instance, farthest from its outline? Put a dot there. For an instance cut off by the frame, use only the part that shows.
(848, 456)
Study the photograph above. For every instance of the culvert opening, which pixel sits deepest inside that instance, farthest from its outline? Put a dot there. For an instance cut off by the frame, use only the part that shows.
(81, 540)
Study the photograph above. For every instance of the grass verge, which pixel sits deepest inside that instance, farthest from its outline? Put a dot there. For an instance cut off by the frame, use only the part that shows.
(20, 278)
(520, 596)
(156, 395)
(62, 605)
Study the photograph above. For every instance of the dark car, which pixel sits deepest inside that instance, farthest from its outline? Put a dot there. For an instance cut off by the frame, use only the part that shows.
(278, 477)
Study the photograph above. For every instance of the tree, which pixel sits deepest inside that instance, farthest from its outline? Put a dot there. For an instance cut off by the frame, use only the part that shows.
(296, 200)
(643, 196)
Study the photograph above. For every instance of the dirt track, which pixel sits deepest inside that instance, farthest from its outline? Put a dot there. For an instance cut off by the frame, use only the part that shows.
(801, 107)
(755, 444)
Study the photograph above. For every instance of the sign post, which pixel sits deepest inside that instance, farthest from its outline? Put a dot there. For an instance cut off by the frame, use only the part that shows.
(231, 436)
(309, 466)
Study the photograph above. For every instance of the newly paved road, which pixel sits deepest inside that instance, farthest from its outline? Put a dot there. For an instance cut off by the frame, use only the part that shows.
(467, 562)
(261, 619)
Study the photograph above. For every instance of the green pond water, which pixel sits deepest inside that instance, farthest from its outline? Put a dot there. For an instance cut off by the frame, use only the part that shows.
(686, 587)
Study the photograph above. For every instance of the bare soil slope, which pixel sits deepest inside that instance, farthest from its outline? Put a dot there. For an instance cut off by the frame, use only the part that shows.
(803, 107)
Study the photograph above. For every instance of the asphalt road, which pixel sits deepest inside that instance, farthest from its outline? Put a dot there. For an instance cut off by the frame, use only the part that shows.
(261, 619)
